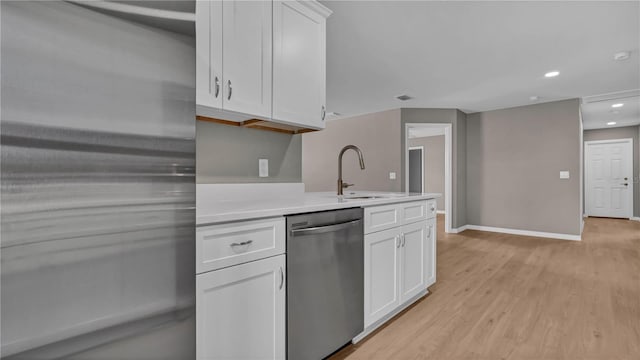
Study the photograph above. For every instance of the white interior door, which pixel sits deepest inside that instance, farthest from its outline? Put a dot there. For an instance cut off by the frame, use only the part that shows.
(609, 178)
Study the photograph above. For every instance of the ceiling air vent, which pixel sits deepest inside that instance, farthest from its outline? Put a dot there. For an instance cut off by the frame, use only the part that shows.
(404, 97)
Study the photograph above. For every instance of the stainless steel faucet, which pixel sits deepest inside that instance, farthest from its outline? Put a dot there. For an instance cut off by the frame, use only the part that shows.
(342, 185)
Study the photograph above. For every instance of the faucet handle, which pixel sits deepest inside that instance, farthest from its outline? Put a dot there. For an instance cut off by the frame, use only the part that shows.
(346, 185)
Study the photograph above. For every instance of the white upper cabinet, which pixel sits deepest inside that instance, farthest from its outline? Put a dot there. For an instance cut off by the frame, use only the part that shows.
(299, 58)
(208, 55)
(261, 60)
(234, 59)
(246, 57)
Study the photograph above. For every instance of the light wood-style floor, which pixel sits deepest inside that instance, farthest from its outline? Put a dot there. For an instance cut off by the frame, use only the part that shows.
(502, 296)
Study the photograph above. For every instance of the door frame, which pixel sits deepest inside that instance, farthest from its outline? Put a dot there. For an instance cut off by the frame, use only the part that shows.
(586, 171)
(421, 148)
(448, 167)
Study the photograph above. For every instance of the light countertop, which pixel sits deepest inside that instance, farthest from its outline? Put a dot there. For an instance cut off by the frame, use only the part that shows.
(223, 203)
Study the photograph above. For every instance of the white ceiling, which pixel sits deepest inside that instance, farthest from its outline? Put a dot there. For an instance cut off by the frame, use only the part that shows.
(476, 56)
(597, 110)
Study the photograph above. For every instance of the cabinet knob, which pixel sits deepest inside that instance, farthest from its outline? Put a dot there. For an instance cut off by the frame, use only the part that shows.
(230, 89)
(217, 87)
(398, 242)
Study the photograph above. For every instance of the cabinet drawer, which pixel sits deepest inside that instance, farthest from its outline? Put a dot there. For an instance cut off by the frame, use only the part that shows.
(223, 245)
(414, 211)
(432, 209)
(377, 218)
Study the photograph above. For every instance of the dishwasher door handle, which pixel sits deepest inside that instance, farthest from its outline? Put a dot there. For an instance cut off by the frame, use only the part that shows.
(324, 229)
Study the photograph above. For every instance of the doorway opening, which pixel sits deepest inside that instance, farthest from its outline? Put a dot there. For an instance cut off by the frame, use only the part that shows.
(416, 169)
(608, 166)
(428, 165)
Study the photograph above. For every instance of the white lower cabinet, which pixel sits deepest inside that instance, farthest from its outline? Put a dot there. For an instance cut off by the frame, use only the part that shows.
(430, 268)
(381, 275)
(400, 262)
(413, 260)
(241, 313)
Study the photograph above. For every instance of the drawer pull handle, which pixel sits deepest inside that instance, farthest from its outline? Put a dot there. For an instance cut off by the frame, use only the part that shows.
(248, 242)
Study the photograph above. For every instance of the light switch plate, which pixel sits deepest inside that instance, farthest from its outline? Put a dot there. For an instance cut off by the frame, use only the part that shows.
(263, 167)
(392, 175)
(564, 175)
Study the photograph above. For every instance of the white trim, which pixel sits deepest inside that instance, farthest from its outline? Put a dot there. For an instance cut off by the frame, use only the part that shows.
(460, 229)
(421, 148)
(635, 218)
(448, 166)
(524, 232)
(624, 140)
(441, 212)
(585, 169)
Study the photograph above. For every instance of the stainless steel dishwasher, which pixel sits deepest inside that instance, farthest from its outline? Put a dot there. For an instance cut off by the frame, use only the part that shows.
(325, 282)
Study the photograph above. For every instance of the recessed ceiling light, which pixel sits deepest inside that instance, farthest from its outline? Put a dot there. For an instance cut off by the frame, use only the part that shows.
(403, 97)
(611, 123)
(619, 105)
(534, 98)
(551, 74)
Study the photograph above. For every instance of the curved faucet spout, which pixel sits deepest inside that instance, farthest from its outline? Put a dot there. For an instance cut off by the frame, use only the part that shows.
(341, 184)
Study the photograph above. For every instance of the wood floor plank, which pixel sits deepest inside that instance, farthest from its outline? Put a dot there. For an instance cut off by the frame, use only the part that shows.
(501, 296)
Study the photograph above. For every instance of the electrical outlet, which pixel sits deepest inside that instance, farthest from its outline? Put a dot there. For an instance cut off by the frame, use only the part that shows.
(564, 175)
(263, 167)
(392, 175)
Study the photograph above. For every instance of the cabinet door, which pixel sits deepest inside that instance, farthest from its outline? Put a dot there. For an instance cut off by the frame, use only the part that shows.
(298, 64)
(381, 286)
(240, 311)
(412, 273)
(430, 246)
(209, 54)
(247, 57)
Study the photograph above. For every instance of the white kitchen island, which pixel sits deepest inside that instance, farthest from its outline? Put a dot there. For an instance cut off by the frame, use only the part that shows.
(241, 260)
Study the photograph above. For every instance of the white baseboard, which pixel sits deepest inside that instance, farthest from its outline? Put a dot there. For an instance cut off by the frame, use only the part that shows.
(440, 212)
(459, 230)
(635, 218)
(521, 232)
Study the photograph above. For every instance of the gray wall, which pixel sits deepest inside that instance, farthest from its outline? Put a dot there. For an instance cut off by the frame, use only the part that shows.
(229, 154)
(377, 135)
(514, 157)
(433, 164)
(626, 132)
(458, 120)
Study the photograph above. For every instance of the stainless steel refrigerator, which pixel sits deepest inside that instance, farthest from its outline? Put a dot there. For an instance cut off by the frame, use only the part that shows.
(97, 184)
